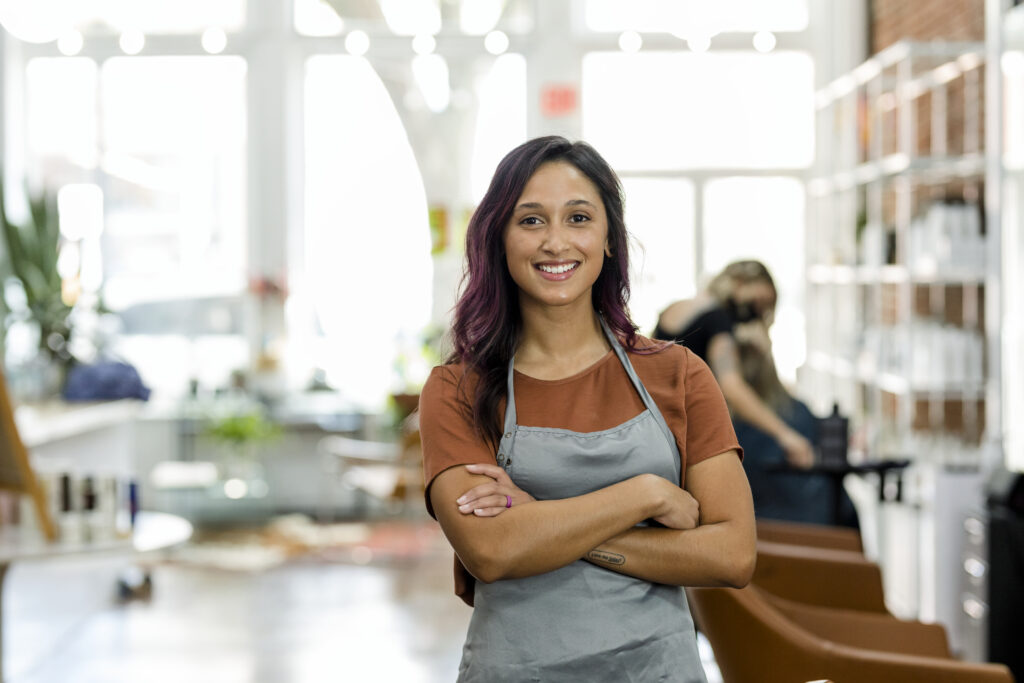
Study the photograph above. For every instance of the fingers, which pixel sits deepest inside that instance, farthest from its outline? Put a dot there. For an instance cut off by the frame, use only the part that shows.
(477, 492)
(491, 498)
(802, 455)
(492, 471)
(487, 506)
(489, 512)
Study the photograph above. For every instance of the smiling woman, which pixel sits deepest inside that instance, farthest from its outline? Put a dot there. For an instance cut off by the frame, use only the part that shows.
(556, 434)
(555, 247)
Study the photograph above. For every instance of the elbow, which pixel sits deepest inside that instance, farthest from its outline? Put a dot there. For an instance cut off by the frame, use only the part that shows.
(487, 573)
(737, 567)
(488, 565)
(742, 570)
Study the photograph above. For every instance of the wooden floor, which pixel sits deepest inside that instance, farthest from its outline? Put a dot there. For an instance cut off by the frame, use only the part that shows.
(302, 621)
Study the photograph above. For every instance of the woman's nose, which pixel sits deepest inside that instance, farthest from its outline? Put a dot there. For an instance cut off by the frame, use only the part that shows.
(555, 239)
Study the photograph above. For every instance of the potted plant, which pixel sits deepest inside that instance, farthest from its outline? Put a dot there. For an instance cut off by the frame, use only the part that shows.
(240, 434)
(32, 249)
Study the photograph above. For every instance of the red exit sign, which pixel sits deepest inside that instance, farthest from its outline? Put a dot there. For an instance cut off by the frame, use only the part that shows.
(558, 100)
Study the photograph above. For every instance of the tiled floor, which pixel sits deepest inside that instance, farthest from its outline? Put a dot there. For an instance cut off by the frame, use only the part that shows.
(304, 621)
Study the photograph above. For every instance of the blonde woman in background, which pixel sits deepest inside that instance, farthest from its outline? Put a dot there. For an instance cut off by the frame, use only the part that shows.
(744, 292)
(779, 491)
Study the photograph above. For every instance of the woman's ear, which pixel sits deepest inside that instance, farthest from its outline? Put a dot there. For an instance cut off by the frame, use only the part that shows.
(607, 249)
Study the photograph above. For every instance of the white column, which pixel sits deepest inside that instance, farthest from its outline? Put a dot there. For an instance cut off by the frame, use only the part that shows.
(554, 69)
(274, 92)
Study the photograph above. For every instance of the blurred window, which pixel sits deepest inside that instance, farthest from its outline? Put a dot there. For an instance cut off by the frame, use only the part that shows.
(410, 17)
(713, 110)
(163, 141)
(367, 237)
(718, 16)
(501, 118)
(316, 18)
(173, 157)
(660, 219)
(60, 101)
(156, 16)
(763, 219)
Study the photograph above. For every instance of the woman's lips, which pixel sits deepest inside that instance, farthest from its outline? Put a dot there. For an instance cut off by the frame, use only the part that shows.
(557, 271)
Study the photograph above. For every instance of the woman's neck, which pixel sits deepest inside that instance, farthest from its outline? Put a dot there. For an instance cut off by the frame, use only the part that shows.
(560, 341)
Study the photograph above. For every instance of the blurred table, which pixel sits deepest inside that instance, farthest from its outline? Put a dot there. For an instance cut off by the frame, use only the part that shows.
(153, 531)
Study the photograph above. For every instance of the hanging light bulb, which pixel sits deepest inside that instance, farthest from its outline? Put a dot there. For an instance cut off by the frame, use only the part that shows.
(630, 41)
(35, 21)
(496, 42)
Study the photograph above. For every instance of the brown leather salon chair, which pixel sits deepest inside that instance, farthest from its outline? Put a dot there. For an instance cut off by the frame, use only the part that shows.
(825, 577)
(759, 639)
(813, 535)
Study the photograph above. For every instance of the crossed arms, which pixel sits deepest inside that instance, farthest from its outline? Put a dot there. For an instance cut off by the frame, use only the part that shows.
(708, 536)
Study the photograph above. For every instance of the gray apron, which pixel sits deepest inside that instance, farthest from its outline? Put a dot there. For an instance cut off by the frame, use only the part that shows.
(582, 622)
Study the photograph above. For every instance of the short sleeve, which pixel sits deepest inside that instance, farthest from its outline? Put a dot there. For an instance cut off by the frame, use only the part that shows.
(710, 429)
(718, 321)
(447, 433)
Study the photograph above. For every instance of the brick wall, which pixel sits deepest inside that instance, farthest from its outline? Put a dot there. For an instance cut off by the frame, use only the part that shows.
(923, 20)
(895, 20)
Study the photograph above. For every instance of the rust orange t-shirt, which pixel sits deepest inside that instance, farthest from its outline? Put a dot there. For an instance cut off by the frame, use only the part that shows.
(600, 397)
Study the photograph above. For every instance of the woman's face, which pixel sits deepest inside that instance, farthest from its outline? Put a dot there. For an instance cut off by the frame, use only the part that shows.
(759, 296)
(556, 240)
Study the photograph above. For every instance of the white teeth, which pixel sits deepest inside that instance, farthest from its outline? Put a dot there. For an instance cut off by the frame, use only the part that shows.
(558, 269)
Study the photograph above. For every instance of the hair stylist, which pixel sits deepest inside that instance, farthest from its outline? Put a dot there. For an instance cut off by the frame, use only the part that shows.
(581, 472)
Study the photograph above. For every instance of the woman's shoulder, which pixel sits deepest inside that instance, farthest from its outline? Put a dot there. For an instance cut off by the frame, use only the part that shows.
(450, 381)
(674, 362)
(660, 355)
(448, 375)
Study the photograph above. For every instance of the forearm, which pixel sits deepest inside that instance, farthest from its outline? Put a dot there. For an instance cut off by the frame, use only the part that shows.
(709, 555)
(542, 536)
(746, 404)
(720, 551)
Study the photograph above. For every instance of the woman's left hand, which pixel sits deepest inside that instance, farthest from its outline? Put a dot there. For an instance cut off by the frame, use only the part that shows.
(492, 498)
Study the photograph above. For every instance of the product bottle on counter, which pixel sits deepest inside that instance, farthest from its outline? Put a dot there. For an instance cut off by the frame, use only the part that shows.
(133, 501)
(90, 527)
(69, 521)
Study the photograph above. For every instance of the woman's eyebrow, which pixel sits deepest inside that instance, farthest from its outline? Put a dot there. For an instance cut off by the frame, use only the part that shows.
(533, 206)
(580, 202)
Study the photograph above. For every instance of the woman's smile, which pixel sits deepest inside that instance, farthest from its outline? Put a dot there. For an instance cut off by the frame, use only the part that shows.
(557, 271)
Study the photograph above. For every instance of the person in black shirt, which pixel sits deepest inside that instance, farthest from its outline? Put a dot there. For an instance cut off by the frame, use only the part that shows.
(780, 493)
(743, 293)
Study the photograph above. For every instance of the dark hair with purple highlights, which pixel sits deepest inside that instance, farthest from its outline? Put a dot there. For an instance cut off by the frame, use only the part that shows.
(487, 325)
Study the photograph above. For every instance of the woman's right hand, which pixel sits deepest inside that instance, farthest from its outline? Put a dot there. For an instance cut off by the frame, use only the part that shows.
(676, 508)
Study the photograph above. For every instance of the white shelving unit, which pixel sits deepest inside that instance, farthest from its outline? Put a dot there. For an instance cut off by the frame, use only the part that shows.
(987, 608)
(897, 254)
(1008, 166)
(900, 292)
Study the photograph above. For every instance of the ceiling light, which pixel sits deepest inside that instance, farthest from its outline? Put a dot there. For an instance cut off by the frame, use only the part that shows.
(496, 42)
(424, 44)
(699, 43)
(357, 43)
(764, 41)
(132, 42)
(214, 40)
(70, 43)
(630, 41)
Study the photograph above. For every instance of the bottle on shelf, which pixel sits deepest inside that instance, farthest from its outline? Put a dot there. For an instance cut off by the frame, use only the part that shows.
(834, 438)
